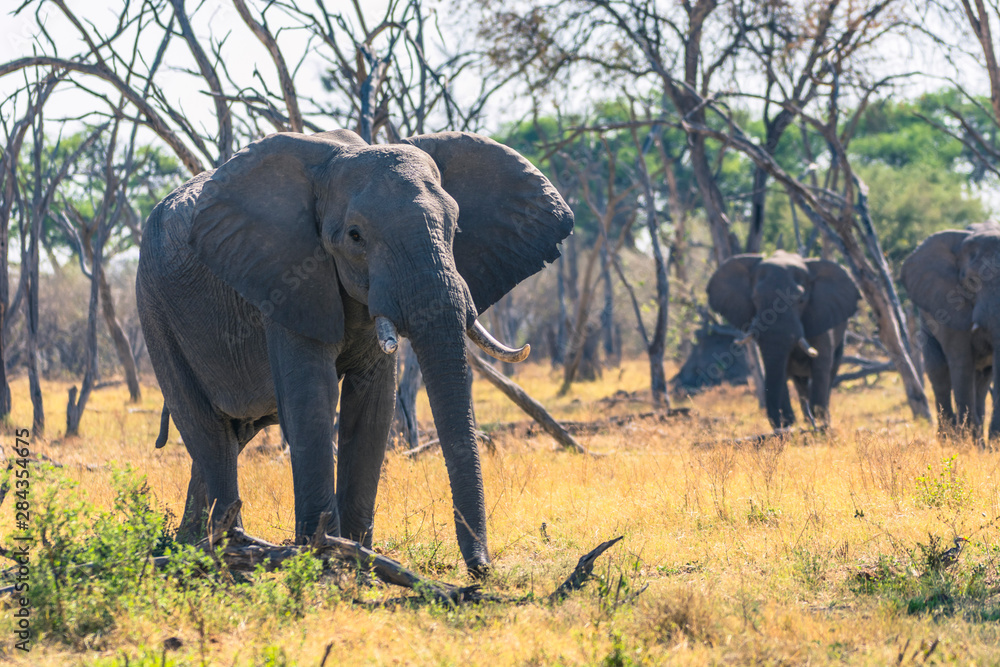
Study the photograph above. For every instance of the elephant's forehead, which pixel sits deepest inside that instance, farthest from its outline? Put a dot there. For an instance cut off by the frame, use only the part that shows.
(790, 267)
(391, 163)
(987, 239)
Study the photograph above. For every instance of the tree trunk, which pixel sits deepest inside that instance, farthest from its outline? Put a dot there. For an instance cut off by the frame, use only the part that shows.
(76, 405)
(657, 344)
(405, 428)
(575, 351)
(122, 348)
(30, 266)
(608, 312)
(533, 408)
(559, 349)
(718, 222)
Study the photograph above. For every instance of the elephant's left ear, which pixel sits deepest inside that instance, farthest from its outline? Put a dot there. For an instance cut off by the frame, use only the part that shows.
(511, 218)
(834, 297)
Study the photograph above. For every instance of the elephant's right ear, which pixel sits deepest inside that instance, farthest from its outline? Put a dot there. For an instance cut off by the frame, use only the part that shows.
(931, 277)
(255, 227)
(730, 289)
(511, 218)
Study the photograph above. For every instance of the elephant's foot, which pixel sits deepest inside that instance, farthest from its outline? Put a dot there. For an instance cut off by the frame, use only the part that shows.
(480, 571)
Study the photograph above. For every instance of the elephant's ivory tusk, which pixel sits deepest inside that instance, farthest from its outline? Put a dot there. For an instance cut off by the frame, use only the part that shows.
(491, 346)
(807, 348)
(388, 339)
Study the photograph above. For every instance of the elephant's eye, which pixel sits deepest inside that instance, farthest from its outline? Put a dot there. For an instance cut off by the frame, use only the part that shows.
(354, 234)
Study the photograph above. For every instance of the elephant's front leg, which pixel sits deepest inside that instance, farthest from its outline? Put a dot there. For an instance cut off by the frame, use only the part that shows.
(962, 369)
(802, 389)
(305, 385)
(367, 403)
(936, 366)
(995, 419)
(824, 368)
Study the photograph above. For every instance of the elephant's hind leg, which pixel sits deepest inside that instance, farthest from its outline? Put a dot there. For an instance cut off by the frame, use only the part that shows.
(208, 436)
(214, 485)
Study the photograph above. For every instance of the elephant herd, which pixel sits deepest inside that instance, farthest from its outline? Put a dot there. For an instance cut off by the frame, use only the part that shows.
(797, 310)
(277, 286)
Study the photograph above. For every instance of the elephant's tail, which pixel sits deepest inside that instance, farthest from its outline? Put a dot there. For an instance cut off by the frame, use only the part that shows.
(161, 439)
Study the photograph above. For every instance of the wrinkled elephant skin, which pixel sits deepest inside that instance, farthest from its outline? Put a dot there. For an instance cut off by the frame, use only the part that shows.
(953, 277)
(260, 285)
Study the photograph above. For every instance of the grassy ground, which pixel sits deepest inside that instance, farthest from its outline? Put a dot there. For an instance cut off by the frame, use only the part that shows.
(815, 549)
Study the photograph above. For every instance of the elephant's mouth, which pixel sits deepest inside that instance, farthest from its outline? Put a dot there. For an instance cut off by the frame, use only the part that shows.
(388, 340)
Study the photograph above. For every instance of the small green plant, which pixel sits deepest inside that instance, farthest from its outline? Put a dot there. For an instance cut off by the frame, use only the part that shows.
(618, 656)
(809, 567)
(945, 489)
(759, 514)
(91, 564)
(301, 573)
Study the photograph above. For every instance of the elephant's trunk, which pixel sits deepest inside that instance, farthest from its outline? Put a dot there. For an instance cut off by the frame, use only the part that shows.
(441, 353)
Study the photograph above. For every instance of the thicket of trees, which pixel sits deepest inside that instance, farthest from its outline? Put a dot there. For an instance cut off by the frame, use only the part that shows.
(681, 133)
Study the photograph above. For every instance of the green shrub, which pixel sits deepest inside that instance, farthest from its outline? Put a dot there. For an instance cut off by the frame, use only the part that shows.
(946, 489)
(88, 564)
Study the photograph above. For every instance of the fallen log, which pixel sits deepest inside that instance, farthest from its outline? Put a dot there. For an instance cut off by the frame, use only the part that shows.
(584, 570)
(592, 427)
(244, 553)
(533, 408)
(864, 371)
(761, 438)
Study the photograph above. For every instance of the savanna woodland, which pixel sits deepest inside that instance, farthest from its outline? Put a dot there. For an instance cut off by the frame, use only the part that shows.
(649, 493)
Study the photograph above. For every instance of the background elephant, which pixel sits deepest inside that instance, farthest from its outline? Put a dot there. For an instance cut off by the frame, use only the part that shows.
(954, 279)
(797, 309)
(297, 263)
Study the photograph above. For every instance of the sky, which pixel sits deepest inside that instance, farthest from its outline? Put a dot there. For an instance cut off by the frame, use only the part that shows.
(244, 54)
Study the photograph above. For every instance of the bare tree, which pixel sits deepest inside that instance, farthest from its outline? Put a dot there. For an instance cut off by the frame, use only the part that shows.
(840, 215)
(10, 196)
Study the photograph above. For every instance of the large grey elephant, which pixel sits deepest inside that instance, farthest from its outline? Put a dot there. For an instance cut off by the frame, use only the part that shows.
(797, 310)
(297, 263)
(954, 279)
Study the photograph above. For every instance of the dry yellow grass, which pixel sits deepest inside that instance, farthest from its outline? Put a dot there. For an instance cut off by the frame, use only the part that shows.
(750, 553)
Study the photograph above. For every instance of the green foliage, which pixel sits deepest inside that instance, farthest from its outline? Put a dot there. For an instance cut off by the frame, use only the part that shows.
(918, 176)
(761, 514)
(92, 566)
(911, 202)
(301, 572)
(619, 655)
(809, 567)
(89, 564)
(946, 489)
